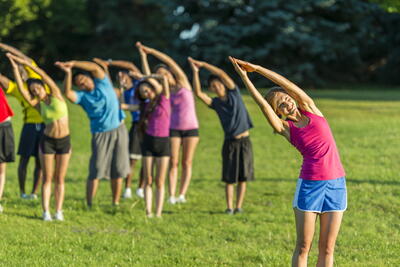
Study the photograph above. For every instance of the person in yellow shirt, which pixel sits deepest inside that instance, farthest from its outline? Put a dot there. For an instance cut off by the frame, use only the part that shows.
(33, 127)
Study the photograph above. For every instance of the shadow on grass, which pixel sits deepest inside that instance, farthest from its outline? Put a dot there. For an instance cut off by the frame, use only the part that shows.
(348, 180)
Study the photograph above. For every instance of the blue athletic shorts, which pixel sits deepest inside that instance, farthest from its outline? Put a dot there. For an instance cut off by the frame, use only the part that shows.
(321, 196)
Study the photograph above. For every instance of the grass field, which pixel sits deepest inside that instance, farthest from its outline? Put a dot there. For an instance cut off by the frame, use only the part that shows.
(366, 125)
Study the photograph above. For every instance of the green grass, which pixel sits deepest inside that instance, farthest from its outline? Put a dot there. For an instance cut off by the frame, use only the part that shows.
(367, 132)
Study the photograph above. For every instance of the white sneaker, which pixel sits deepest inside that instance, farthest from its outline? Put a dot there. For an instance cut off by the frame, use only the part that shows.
(24, 196)
(181, 199)
(172, 200)
(140, 192)
(47, 216)
(59, 216)
(1, 209)
(128, 193)
(32, 196)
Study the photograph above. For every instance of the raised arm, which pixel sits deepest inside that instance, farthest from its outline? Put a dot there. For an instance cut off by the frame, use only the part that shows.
(124, 65)
(280, 126)
(180, 75)
(228, 82)
(305, 102)
(91, 67)
(104, 64)
(14, 51)
(18, 79)
(143, 58)
(196, 83)
(68, 92)
(55, 91)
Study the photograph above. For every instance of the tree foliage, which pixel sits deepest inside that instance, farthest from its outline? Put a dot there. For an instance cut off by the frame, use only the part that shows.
(313, 42)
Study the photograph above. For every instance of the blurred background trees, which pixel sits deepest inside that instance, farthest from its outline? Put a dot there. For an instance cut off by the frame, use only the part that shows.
(312, 42)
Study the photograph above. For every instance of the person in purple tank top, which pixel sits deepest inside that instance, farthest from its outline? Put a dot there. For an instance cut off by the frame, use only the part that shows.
(321, 187)
(184, 127)
(156, 144)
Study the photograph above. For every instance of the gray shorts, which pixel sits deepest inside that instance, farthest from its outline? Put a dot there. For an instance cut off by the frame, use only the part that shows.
(110, 154)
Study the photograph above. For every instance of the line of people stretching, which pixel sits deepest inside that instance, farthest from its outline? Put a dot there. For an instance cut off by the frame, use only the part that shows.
(165, 125)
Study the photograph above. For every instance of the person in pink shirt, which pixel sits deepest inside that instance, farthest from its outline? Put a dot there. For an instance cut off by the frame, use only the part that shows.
(321, 187)
(156, 150)
(184, 126)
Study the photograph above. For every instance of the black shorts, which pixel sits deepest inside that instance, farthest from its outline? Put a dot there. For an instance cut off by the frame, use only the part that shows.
(135, 142)
(156, 146)
(49, 145)
(7, 148)
(183, 133)
(30, 138)
(237, 160)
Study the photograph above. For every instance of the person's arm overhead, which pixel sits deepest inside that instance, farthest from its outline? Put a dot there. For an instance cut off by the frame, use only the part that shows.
(196, 83)
(124, 65)
(280, 126)
(228, 82)
(180, 75)
(104, 64)
(18, 79)
(4, 82)
(91, 67)
(143, 58)
(305, 102)
(68, 92)
(13, 50)
(55, 91)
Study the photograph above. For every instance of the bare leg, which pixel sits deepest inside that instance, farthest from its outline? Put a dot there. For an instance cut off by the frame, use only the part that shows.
(22, 166)
(128, 181)
(2, 178)
(189, 145)
(37, 175)
(229, 195)
(173, 170)
(116, 186)
(329, 230)
(305, 227)
(161, 168)
(148, 180)
(62, 161)
(141, 178)
(240, 193)
(48, 172)
(91, 189)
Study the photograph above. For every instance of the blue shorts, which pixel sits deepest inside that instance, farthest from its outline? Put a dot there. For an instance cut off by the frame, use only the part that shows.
(321, 196)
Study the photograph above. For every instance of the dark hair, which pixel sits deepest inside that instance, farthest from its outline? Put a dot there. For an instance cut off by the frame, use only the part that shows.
(159, 66)
(32, 81)
(212, 78)
(146, 110)
(85, 73)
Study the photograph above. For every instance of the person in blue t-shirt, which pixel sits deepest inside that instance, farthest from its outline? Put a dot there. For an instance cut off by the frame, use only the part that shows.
(110, 156)
(237, 151)
(128, 78)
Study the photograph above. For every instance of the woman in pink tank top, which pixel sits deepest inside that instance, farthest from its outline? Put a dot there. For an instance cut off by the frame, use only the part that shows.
(184, 127)
(321, 188)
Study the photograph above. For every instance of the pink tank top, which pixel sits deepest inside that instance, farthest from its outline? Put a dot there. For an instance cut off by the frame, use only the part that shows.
(159, 119)
(315, 142)
(183, 115)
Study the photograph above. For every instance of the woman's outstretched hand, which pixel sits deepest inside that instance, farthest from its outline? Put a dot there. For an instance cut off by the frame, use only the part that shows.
(194, 64)
(65, 66)
(17, 59)
(241, 71)
(142, 48)
(247, 66)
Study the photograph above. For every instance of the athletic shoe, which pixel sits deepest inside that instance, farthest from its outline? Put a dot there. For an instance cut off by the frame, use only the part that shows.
(238, 210)
(24, 196)
(181, 199)
(229, 211)
(172, 200)
(59, 216)
(47, 216)
(32, 196)
(150, 215)
(127, 193)
(140, 192)
(1, 209)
